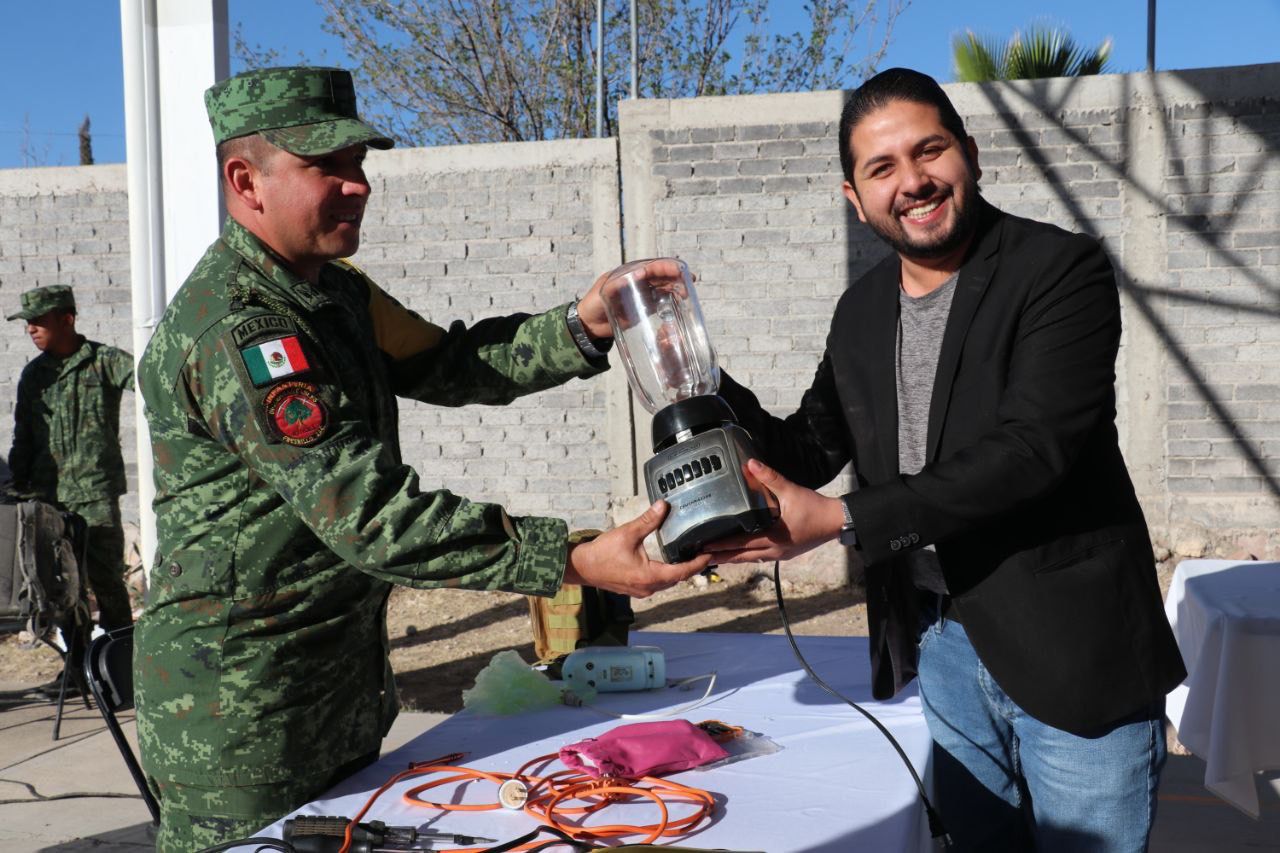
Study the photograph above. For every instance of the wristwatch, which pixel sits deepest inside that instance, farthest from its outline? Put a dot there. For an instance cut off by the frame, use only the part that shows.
(588, 347)
(848, 535)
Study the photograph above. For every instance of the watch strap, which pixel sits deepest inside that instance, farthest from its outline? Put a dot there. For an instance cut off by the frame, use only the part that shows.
(578, 332)
(848, 533)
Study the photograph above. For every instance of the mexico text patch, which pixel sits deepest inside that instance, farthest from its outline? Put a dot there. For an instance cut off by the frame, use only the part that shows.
(295, 413)
(274, 359)
(263, 326)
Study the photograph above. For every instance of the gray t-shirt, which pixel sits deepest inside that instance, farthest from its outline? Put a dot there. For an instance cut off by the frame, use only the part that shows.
(921, 324)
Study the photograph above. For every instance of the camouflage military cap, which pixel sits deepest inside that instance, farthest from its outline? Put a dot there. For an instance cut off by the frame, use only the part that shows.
(42, 300)
(306, 111)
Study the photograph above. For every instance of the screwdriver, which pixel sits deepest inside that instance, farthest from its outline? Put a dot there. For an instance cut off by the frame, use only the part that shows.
(314, 834)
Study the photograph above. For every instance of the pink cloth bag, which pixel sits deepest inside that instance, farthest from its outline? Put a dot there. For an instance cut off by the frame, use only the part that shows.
(643, 749)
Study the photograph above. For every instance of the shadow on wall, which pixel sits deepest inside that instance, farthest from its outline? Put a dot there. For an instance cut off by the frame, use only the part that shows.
(1189, 172)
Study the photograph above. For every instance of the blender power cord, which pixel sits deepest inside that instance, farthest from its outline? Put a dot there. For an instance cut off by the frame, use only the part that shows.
(936, 828)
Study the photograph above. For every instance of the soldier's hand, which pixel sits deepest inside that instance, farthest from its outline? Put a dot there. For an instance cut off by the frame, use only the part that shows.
(806, 519)
(616, 561)
(591, 311)
(661, 273)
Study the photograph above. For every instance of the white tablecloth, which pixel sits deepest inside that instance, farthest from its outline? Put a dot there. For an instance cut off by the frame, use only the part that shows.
(1226, 616)
(836, 785)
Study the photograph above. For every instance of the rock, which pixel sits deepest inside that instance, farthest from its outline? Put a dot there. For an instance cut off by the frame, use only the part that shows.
(411, 630)
(1193, 547)
(1161, 553)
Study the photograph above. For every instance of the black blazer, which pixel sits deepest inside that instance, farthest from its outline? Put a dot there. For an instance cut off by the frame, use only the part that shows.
(1024, 493)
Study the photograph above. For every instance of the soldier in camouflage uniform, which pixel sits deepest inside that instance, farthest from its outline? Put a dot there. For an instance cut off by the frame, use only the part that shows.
(284, 510)
(66, 437)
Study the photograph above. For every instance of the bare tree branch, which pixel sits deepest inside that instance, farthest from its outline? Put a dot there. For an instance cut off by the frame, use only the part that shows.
(454, 71)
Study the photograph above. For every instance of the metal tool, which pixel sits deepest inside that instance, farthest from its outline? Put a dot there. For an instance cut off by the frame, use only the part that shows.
(316, 834)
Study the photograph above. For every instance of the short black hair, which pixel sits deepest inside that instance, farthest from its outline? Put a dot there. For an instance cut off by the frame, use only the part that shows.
(895, 84)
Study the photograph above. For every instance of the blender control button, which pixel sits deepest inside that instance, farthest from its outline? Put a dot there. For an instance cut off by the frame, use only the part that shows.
(697, 468)
(706, 464)
(679, 477)
(688, 472)
(662, 485)
(671, 481)
(715, 462)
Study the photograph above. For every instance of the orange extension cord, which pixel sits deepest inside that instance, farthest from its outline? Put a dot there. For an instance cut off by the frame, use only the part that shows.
(549, 796)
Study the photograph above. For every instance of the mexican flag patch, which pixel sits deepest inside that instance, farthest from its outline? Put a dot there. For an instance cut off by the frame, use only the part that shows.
(274, 360)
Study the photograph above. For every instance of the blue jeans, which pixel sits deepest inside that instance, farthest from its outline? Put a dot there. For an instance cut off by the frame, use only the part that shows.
(1003, 780)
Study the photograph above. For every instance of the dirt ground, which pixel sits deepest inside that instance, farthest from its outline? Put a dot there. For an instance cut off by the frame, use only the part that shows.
(440, 639)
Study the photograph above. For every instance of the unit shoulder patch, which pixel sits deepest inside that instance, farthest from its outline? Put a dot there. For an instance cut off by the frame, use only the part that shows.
(295, 413)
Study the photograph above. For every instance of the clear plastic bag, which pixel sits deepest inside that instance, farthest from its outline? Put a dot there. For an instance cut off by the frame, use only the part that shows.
(740, 743)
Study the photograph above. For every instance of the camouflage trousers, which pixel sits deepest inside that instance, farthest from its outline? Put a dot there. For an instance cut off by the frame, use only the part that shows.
(105, 560)
(193, 817)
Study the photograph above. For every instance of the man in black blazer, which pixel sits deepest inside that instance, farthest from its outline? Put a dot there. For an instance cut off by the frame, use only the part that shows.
(969, 378)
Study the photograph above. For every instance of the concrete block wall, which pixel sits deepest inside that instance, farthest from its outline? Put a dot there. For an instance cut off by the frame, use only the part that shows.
(67, 225)
(455, 233)
(468, 232)
(1177, 174)
(1222, 317)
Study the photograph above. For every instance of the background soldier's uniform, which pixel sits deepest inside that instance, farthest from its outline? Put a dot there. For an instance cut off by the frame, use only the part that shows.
(284, 514)
(66, 446)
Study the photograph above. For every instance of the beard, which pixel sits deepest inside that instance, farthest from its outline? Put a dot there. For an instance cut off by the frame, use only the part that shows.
(938, 245)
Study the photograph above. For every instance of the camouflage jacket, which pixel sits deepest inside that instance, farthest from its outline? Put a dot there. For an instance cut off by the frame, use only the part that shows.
(285, 513)
(66, 438)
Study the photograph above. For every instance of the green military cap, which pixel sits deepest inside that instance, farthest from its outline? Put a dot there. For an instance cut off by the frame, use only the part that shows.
(306, 111)
(42, 300)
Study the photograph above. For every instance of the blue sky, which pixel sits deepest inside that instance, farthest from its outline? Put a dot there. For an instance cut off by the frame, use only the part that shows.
(62, 58)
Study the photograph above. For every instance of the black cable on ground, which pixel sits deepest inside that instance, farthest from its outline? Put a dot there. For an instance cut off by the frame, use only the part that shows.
(936, 827)
(37, 797)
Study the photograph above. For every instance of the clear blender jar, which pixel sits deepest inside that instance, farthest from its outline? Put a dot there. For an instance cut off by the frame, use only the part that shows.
(659, 331)
(700, 451)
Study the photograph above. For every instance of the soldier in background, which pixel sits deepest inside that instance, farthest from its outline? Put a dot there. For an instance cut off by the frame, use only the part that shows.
(66, 437)
(284, 510)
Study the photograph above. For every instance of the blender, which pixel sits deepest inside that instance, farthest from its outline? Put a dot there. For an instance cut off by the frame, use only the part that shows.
(699, 451)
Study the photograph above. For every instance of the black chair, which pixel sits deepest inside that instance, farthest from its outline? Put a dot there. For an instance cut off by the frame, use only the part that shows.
(108, 667)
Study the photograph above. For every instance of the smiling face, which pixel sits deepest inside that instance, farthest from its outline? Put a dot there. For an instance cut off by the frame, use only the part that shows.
(914, 183)
(307, 209)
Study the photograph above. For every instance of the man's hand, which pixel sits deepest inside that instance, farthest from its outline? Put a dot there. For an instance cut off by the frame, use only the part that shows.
(806, 520)
(616, 561)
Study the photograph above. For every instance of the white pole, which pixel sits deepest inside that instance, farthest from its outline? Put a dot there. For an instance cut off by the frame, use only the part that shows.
(599, 68)
(146, 225)
(1151, 35)
(185, 44)
(635, 67)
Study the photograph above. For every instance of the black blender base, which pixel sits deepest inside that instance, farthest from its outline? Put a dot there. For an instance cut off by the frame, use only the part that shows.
(689, 545)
